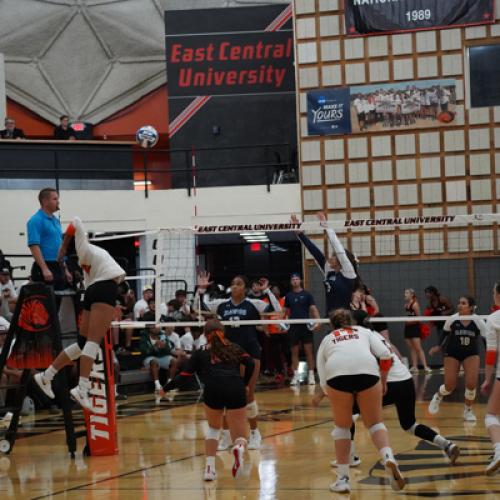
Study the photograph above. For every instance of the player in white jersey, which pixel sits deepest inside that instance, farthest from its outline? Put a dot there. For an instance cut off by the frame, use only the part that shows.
(401, 393)
(349, 372)
(492, 420)
(102, 275)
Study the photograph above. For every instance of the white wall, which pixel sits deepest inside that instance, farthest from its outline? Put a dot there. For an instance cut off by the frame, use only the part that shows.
(131, 211)
(3, 103)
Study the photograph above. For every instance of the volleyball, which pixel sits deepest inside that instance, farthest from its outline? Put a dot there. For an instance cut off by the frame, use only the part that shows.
(147, 136)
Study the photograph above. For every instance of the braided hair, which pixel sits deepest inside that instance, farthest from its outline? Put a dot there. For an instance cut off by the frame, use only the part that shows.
(220, 348)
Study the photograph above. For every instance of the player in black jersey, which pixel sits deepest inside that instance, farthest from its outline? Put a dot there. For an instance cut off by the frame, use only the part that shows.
(240, 307)
(218, 365)
(460, 346)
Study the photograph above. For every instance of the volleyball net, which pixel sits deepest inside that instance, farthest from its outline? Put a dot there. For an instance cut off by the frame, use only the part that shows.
(457, 254)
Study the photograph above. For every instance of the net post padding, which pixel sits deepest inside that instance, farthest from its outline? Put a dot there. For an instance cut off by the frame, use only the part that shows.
(101, 421)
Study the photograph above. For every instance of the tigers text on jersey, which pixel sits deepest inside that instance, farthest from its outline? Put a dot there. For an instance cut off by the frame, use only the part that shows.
(350, 351)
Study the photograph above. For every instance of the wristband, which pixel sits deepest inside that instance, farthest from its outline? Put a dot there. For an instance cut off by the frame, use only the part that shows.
(491, 357)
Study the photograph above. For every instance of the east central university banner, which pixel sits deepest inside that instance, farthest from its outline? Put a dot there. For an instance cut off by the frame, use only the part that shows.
(229, 63)
(365, 17)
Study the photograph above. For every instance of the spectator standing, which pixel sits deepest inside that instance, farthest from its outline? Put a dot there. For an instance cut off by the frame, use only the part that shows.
(44, 240)
(10, 131)
(299, 304)
(63, 131)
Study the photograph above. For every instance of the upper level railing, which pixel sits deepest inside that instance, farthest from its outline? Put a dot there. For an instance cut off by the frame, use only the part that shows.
(84, 164)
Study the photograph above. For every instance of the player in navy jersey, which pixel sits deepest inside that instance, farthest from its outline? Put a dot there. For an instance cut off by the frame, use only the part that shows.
(240, 307)
(339, 270)
(460, 345)
(299, 304)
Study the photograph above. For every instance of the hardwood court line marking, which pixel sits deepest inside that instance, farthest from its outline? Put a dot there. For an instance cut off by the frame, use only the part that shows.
(124, 474)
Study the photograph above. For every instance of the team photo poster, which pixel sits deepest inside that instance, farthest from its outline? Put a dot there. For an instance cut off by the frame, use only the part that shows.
(376, 108)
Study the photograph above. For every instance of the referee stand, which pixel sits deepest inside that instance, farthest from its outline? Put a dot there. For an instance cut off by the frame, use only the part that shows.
(33, 341)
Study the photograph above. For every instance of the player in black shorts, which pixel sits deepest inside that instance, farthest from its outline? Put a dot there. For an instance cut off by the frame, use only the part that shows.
(102, 275)
(460, 345)
(240, 307)
(218, 365)
(412, 332)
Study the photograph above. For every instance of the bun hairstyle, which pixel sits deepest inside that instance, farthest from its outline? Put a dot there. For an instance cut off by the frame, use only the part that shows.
(340, 318)
(497, 287)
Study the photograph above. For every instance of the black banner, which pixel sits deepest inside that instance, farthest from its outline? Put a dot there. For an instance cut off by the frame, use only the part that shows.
(230, 63)
(364, 17)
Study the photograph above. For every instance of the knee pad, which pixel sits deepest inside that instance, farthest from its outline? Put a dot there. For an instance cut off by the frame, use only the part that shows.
(341, 433)
(81, 340)
(470, 394)
(252, 409)
(377, 427)
(213, 433)
(73, 351)
(355, 418)
(443, 391)
(91, 349)
(490, 420)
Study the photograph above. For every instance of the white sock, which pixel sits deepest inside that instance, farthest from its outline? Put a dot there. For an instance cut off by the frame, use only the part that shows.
(84, 383)
(255, 432)
(210, 461)
(496, 447)
(49, 374)
(157, 384)
(440, 441)
(342, 470)
(225, 434)
(386, 453)
(311, 373)
(353, 449)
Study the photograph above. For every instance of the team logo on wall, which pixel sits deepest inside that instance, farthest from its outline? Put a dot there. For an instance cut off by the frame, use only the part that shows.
(328, 112)
(405, 105)
(364, 17)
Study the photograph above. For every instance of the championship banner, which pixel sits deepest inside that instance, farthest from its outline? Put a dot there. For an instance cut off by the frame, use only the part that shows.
(365, 17)
(101, 422)
(403, 105)
(328, 112)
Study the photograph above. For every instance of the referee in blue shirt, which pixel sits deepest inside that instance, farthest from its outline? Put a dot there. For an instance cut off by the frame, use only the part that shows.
(44, 240)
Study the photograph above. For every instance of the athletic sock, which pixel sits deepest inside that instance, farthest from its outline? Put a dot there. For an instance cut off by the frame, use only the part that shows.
(386, 453)
(84, 384)
(440, 441)
(49, 374)
(210, 461)
(342, 470)
(157, 384)
(496, 447)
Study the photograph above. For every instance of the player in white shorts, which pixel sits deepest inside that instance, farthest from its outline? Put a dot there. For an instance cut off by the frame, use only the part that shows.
(492, 420)
(349, 372)
(102, 275)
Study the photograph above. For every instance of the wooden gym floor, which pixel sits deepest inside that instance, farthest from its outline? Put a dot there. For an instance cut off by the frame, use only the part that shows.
(161, 455)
